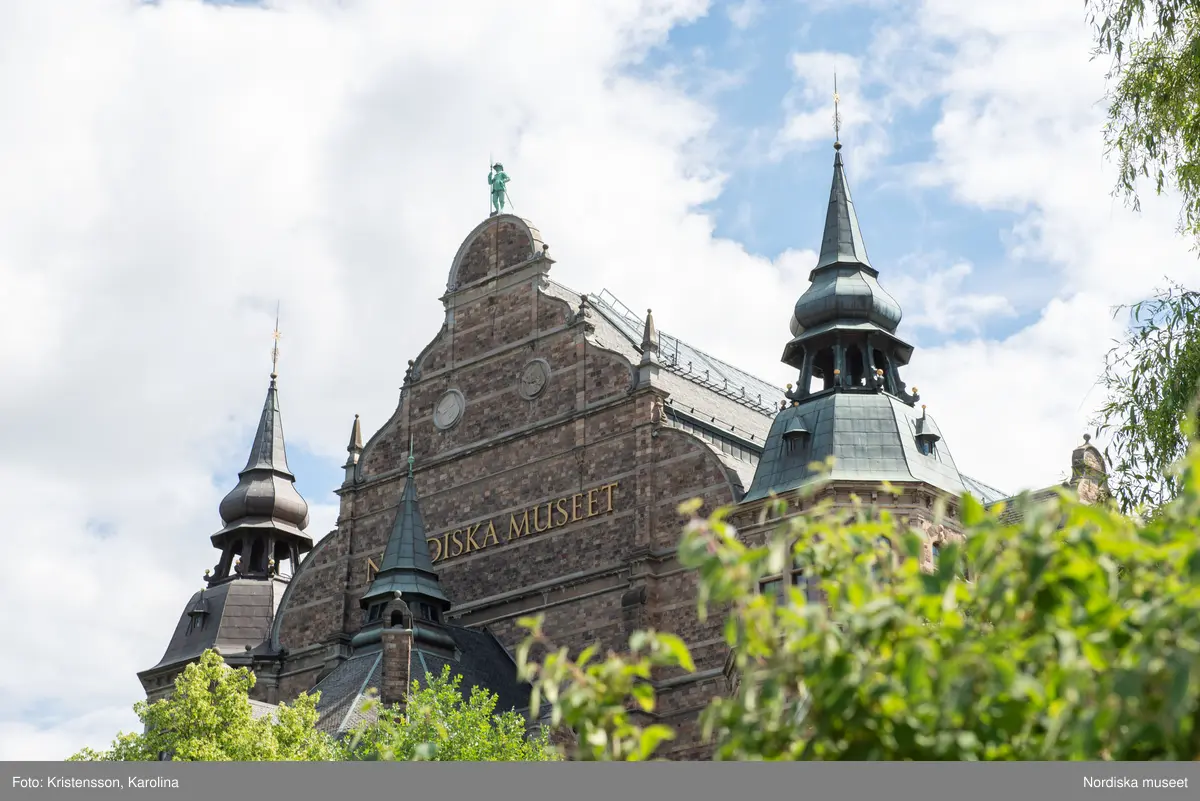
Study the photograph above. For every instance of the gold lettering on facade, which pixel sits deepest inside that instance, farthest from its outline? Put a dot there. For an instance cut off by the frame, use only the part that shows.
(472, 545)
(514, 530)
(537, 527)
(558, 512)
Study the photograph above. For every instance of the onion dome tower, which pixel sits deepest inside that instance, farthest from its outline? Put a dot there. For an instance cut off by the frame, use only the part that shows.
(849, 401)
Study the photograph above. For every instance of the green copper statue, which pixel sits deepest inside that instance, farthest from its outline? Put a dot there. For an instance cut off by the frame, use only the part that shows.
(497, 180)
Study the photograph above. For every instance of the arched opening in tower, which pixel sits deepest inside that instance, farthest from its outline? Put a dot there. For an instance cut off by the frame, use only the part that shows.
(855, 366)
(823, 369)
(257, 561)
(881, 363)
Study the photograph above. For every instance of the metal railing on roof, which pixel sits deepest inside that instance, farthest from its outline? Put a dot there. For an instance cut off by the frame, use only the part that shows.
(673, 354)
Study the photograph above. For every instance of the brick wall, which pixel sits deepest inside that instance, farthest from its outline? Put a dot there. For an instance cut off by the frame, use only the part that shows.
(397, 653)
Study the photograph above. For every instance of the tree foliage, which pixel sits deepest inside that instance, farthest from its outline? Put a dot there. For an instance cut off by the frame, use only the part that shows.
(1152, 378)
(1073, 634)
(1153, 125)
(209, 719)
(439, 724)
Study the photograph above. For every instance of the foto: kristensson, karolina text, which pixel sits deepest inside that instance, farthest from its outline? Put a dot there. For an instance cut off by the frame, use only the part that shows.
(1128, 781)
(74, 783)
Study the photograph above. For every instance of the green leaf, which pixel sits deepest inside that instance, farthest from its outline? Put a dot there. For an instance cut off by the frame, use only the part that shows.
(678, 650)
(652, 738)
(644, 695)
(971, 512)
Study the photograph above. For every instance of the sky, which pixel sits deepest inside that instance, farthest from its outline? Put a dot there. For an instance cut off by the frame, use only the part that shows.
(171, 171)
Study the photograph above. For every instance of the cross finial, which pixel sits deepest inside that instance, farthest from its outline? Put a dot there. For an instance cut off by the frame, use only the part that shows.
(410, 455)
(275, 348)
(837, 118)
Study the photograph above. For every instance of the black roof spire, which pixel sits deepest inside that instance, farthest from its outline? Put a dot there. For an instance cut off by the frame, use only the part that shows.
(842, 241)
(407, 567)
(265, 509)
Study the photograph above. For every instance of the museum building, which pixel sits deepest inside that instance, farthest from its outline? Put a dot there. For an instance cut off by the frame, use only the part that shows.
(542, 444)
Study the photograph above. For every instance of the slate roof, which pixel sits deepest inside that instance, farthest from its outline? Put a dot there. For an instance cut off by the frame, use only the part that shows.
(871, 435)
(1013, 513)
(235, 614)
(261, 709)
(479, 658)
(722, 397)
(689, 362)
(986, 494)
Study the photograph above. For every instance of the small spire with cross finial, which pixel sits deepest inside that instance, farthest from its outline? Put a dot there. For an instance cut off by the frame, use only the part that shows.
(275, 347)
(411, 460)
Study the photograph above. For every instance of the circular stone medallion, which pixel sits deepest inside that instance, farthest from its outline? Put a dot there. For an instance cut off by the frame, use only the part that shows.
(533, 379)
(449, 409)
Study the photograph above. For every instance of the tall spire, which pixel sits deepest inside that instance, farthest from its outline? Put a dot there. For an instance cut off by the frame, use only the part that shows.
(264, 516)
(842, 242)
(407, 567)
(843, 326)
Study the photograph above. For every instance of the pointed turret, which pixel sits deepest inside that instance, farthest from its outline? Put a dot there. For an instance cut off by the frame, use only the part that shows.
(264, 515)
(354, 449)
(849, 403)
(264, 520)
(842, 242)
(649, 364)
(843, 327)
(407, 568)
(649, 339)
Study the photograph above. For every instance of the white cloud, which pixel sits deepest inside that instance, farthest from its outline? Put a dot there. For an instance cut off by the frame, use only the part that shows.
(934, 299)
(745, 13)
(809, 110)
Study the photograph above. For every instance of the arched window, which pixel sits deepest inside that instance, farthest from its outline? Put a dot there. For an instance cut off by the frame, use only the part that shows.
(257, 562)
(855, 366)
(823, 367)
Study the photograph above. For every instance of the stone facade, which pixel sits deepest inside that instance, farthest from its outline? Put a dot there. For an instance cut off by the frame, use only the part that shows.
(563, 505)
(554, 438)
